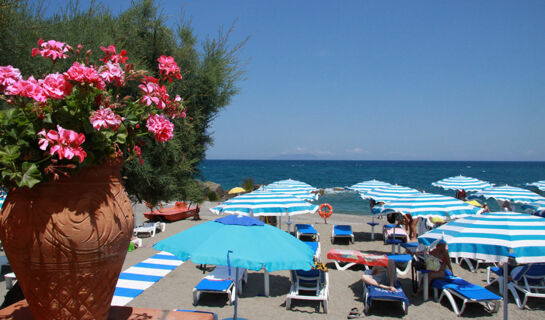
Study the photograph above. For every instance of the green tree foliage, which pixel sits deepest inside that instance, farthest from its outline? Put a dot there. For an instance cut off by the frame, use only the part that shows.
(210, 70)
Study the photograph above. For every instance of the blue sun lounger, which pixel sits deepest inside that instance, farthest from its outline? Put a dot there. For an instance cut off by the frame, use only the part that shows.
(457, 287)
(302, 229)
(342, 231)
(315, 246)
(372, 293)
(218, 281)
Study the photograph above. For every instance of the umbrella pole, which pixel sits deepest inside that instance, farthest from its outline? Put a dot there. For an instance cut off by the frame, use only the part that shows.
(236, 293)
(505, 290)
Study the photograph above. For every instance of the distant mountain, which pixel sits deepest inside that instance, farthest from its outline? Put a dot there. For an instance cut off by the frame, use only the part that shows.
(298, 156)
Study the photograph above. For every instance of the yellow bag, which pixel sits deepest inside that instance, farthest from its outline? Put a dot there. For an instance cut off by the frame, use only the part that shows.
(433, 263)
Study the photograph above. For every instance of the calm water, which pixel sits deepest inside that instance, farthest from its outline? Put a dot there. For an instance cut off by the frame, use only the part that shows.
(330, 174)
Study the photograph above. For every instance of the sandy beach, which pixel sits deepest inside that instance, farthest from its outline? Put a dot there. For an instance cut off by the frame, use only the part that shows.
(345, 287)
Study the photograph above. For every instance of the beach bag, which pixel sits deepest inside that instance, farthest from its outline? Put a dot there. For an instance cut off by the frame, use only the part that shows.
(433, 263)
(418, 263)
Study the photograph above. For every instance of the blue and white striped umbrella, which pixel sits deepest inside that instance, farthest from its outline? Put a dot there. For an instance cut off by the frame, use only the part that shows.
(493, 237)
(388, 193)
(429, 205)
(538, 184)
(462, 183)
(536, 207)
(296, 188)
(509, 193)
(3, 196)
(265, 203)
(367, 185)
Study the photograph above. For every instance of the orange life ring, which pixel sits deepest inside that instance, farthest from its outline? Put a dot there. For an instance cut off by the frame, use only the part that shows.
(323, 213)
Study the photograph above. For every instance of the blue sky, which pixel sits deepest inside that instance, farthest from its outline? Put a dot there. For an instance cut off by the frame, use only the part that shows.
(401, 80)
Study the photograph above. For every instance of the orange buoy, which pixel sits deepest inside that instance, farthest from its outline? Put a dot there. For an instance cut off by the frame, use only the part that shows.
(325, 213)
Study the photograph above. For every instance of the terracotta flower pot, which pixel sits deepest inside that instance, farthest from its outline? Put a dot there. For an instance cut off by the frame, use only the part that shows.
(66, 241)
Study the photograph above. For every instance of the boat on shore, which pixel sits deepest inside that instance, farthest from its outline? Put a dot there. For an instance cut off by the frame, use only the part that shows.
(180, 211)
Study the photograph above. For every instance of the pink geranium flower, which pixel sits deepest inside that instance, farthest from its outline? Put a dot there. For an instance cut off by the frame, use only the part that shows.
(111, 55)
(9, 75)
(112, 73)
(105, 118)
(51, 49)
(154, 93)
(56, 86)
(65, 143)
(81, 73)
(29, 88)
(160, 127)
(168, 68)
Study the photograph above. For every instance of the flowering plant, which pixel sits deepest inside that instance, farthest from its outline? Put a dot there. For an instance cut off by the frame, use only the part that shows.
(63, 122)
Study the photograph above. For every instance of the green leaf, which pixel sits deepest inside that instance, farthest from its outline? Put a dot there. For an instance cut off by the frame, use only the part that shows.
(31, 175)
(9, 154)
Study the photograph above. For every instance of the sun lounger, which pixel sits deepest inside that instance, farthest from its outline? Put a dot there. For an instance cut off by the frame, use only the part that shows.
(306, 230)
(451, 287)
(315, 246)
(372, 293)
(342, 231)
(150, 228)
(309, 285)
(391, 232)
(218, 281)
(353, 257)
(403, 263)
(528, 280)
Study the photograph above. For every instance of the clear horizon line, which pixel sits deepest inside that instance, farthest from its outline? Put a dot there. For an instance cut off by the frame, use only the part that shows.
(264, 159)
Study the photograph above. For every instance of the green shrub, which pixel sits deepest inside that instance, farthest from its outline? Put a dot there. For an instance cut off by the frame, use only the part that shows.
(248, 184)
(212, 196)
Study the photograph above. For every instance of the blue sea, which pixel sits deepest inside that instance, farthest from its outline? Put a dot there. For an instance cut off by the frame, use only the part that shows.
(332, 174)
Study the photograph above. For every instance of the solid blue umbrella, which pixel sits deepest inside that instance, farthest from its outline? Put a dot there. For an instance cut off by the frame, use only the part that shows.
(462, 183)
(429, 205)
(254, 245)
(509, 193)
(493, 237)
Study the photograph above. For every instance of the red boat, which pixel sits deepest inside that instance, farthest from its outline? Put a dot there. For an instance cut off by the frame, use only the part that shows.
(179, 212)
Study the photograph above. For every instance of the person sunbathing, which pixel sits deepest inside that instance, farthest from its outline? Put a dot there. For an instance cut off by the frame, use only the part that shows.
(382, 277)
